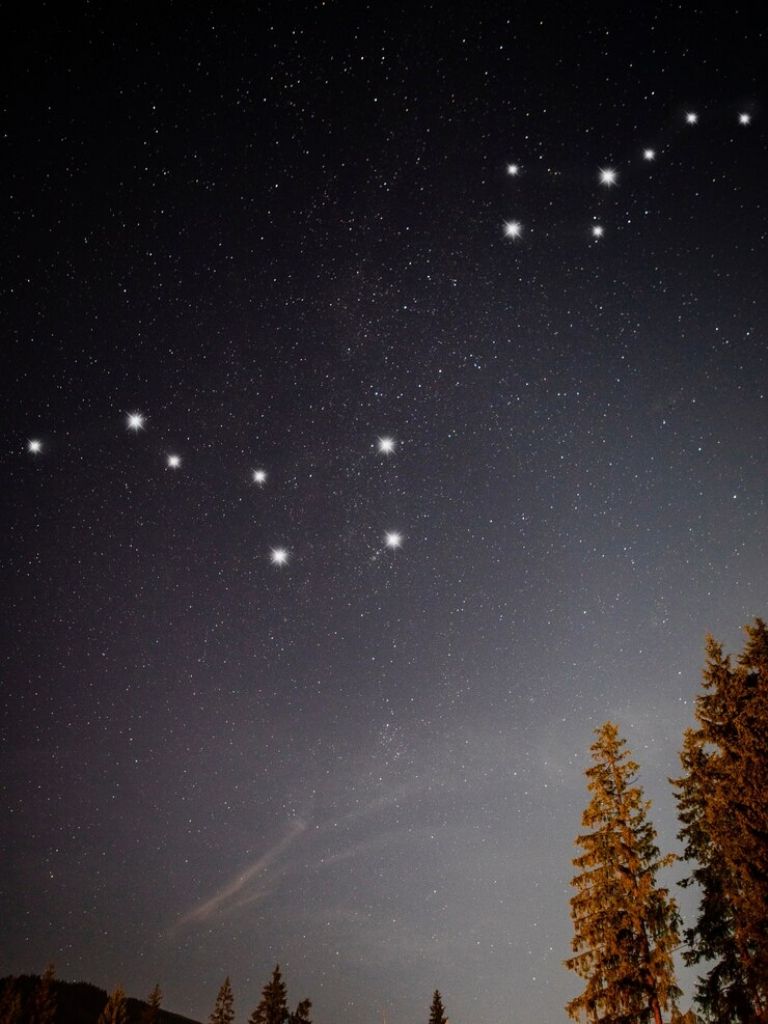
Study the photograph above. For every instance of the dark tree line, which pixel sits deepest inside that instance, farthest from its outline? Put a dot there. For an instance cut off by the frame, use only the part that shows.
(45, 1000)
(626, 925)
(35, 1006)
(32, 1000)
(272, 1008)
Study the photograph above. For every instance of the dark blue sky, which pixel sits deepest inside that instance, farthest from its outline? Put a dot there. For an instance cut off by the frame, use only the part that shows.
(278, 233)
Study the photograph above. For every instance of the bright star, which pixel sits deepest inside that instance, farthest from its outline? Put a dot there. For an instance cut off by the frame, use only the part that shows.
(745, 118)
(649, 154)
(608, 176)
(513, 170)
(135, 421)
(597, 231)
(174, 461)
(691, 118)
(278, 556)
(385, 445)
(260, 477)
(393, 540)
(512, 229)
(34, 447)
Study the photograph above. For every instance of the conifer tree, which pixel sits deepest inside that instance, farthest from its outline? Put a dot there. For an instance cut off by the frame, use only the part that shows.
(723, 805)
(43, 1009)
(722, 994)
(273, 1007)
(301, 1014)
(115, 1010)
(224, 1010)
(11, 1007)
(437, 1010)
(151, 1013)
(625, 924)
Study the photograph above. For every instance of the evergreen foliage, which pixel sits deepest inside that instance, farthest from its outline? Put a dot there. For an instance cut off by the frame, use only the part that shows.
(44, 1003)
(151, 1014)
(301, 1014)
(723, 806)
(437, 1010)
(273, 1007)
(625, 925)
(224, 1010)
(116, 1010)
(11, 1005)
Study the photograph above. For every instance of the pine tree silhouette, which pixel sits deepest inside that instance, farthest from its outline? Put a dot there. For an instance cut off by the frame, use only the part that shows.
(437, 1010)
(224, 1010)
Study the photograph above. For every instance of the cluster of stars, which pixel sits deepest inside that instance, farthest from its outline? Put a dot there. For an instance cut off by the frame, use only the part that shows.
(136, 421)
(608, 177)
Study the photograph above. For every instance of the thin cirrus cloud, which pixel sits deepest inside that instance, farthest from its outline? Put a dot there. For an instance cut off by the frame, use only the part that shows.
(267, 870)
(226, 897)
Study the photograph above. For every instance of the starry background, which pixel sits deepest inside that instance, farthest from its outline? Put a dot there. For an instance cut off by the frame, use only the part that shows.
(278, 233)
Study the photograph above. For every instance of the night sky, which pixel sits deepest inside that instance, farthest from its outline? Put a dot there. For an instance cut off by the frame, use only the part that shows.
(352, 476)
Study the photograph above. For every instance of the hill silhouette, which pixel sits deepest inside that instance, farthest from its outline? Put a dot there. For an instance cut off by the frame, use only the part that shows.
(80, 1002)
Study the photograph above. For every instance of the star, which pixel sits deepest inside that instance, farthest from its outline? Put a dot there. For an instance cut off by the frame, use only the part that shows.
(135, 421)
(512, 229)
(745, 118)
(260, 477)
(513, 170)
(598, 231)
(608, 176)
(649, 154)
(385, 445)
(34, 447)
(691, 118)
(393, 540)
(173, 461)
(278, 556)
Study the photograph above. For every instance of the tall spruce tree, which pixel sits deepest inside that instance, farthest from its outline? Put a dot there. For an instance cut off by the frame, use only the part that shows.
(116, 1009)
(273, 1007)
(437, 1010)
(625, 924)
(723, 806)
(11, 1004)
(224, 1010)
(151, 1014)
(43, 1009)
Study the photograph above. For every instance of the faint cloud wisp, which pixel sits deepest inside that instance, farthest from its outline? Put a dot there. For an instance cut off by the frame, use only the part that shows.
(225, 897)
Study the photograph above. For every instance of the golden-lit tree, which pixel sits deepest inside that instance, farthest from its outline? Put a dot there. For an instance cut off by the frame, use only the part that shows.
(151, 1013)
(625, 924)
(723, 805)
(116, 1009)
(11, 1005)
(43, 1009)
